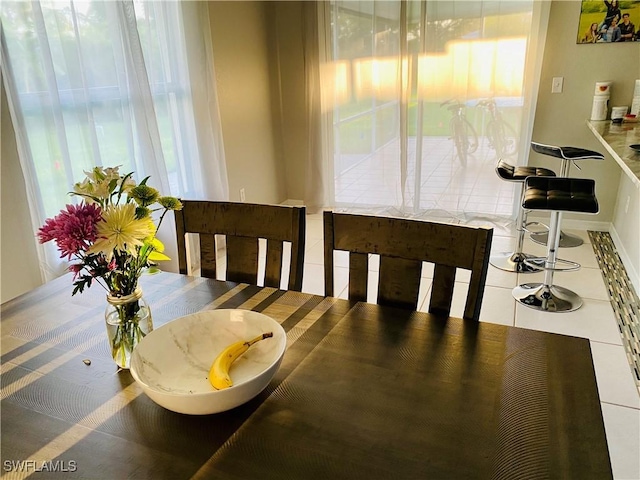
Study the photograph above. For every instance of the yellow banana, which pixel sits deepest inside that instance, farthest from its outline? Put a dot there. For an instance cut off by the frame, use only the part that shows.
(219, 371)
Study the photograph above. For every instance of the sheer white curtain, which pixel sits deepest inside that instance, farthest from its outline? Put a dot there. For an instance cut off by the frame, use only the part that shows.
(424, 98)
(316, 45)
(112, 83)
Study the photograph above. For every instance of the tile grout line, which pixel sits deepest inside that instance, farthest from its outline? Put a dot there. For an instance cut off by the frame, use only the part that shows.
(623, 297)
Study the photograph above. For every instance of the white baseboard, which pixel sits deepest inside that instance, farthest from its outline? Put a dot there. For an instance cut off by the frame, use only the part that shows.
(575, 224)
(572, 224)
(292, 202)
(633, 274)
(586, 225)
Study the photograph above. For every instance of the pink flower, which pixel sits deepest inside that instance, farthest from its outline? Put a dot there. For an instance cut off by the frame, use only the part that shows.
(76, 268)
(73, 229)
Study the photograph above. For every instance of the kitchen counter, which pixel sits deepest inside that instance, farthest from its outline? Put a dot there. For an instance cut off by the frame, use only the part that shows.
(616, 138)
(625, 222)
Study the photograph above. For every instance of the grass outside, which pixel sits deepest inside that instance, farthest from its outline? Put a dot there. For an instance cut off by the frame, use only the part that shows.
(114, 143)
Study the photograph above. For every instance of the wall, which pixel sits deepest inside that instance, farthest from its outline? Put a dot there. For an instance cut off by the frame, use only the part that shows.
(242, 62)
(19, 270)
(561, 117)
(289, 79)
(561, 120)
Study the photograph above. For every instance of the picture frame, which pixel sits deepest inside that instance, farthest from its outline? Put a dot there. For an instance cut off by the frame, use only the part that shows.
(609, 21)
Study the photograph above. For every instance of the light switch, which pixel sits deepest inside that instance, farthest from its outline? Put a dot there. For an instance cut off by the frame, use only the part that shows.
(556, 85)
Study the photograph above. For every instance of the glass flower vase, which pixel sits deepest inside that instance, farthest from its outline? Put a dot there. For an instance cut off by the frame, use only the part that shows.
(128, 320)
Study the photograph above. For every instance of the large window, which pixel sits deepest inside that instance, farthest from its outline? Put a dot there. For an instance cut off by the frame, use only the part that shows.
(109, 83)
(429, 95)
(74, 91)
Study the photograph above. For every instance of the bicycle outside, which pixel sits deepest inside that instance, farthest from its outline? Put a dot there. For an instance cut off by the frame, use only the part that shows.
(502, 137)
(463, 134)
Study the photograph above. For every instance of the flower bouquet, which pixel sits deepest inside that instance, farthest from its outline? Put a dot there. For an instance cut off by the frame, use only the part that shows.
(111, 237)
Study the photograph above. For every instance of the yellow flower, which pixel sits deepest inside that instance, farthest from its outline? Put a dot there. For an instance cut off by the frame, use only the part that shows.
(120, 229)
(158, 247)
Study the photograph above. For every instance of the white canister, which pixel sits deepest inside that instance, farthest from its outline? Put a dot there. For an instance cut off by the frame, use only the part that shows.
(600, 107)
(636, 91)
(603, 88)
(635, 106)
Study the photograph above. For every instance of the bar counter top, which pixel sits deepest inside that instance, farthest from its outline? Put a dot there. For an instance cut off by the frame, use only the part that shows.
(617, 138)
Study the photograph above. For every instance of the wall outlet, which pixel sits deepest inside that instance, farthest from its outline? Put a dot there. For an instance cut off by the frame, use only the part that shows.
(242, 197)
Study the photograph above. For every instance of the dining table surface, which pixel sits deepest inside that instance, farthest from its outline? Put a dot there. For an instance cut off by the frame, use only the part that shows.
(363, 391)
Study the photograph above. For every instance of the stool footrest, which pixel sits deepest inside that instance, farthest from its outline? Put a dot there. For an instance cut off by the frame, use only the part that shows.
(536, 262)
(547, 298)
(535, 232)
(514, 262)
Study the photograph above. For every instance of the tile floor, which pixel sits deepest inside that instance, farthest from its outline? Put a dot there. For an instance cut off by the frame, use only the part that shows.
(595, 320)
(444, 186)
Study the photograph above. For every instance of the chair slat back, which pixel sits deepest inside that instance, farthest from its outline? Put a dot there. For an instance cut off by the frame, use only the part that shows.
(242, 225)
(207, 254)
(403, 246)
(242, 259)
(358, 276)
(399, 282)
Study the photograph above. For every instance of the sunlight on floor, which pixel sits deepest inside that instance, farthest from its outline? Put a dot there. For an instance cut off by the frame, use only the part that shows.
(374, 180)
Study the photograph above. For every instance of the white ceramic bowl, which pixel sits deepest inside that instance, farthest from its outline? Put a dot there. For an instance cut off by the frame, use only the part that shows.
(172, 362)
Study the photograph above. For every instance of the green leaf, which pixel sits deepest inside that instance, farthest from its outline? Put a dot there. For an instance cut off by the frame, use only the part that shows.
(124, 179)
(113, 184)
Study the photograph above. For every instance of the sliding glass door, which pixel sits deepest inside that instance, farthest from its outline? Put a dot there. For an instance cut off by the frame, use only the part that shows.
(426, 97)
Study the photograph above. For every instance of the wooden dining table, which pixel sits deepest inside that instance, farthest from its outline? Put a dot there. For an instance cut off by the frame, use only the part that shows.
(363, 391)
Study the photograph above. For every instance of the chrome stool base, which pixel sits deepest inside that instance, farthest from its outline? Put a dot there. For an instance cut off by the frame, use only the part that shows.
(515, 262)
(567, 240)
(547, 299)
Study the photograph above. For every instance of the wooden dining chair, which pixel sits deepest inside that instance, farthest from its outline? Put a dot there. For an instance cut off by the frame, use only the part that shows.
(403, 246)
(243, 224)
